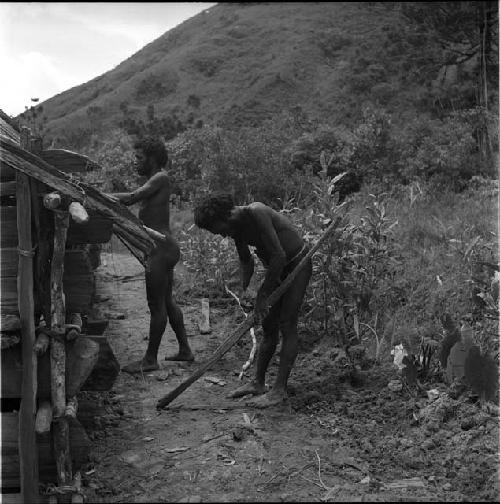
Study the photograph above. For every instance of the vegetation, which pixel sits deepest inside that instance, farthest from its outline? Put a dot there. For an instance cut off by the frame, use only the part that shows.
(408, 120)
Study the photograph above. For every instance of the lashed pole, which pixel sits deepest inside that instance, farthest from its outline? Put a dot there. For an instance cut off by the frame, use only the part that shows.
(28, 454)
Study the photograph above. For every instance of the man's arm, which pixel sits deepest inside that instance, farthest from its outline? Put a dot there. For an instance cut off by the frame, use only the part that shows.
(154, 184)
(246, 262)
(277, 256)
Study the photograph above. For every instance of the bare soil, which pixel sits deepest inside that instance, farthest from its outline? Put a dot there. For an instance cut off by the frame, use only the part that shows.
(342, 436)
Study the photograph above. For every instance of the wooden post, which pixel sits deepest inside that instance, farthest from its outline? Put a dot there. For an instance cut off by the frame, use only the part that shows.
(27, 438)
(204, 324)
(58, 352)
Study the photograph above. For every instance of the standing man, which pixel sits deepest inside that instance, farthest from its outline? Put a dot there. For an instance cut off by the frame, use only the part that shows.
(154, 197)
(280, 248)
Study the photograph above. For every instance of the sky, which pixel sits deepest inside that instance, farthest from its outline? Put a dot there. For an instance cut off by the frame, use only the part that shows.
(49, 47)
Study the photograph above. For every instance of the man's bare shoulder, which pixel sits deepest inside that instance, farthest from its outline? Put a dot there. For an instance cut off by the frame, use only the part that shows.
(260, 208)
(161, 177)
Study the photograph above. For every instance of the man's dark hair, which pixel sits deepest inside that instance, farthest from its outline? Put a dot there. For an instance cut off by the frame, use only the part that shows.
(211, 208)
(153, 147)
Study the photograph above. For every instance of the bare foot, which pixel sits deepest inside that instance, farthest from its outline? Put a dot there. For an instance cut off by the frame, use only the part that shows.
(266, 400)
(181, 356)
(249, 388)
(140, 367)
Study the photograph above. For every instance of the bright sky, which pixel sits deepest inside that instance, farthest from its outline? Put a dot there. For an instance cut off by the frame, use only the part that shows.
(48, 47)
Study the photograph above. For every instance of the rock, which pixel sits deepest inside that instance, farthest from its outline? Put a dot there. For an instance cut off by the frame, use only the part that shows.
(467, 424)
(395, 385)
(239, 434)
(447, 487)
(433, 394)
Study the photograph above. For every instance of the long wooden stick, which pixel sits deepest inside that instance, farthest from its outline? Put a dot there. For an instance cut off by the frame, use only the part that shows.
(58, 352)
(27, 439)
(247, 324)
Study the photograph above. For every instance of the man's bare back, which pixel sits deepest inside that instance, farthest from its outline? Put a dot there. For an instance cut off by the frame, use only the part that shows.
(154, 211)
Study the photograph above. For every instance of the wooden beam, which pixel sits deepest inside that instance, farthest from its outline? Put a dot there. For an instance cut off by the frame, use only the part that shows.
(80, 449)
(8, 188)
(26, 303)
(69, 161)
(9, 322)
(8, 218)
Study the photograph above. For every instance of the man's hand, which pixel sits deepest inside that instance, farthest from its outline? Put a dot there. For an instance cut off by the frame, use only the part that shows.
(246, 272)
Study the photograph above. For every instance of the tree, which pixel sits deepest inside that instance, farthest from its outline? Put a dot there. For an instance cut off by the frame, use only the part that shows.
(466, 32)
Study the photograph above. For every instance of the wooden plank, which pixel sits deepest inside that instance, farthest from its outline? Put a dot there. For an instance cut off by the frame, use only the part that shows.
(8, 188)
(12, 498)
(69, 161)
(8, 220)
(9, 323)
(80, 449)
(7, 129)
(8, 262)
(35, 167)
(27, 441)
(8, 296)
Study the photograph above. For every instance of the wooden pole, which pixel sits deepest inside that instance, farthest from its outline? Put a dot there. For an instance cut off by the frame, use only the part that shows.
(58, 352)
(27, 413)
(247, 324)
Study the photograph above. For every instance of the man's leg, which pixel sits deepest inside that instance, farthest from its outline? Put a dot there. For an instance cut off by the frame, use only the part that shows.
(176, 320)
(156, 276)
(290, 307)
(270, 326)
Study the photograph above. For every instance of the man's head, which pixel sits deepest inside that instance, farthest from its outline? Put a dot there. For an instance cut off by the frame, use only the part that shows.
(213, 214)
(150, 154)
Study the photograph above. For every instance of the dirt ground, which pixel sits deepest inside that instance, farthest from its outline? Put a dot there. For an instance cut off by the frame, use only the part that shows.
(343, 435)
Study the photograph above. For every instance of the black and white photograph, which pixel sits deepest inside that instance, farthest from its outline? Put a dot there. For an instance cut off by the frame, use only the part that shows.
(249, 252)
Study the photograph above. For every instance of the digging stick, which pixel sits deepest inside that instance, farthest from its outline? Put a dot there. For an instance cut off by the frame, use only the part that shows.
(247, 324)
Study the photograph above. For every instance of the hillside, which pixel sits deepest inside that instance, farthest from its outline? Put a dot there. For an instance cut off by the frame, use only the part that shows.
(241, 63)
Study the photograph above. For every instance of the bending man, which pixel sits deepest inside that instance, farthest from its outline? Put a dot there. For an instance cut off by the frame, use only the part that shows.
(280, 248)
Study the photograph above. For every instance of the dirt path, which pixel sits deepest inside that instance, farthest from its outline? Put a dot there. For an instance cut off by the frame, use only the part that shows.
(342, 436)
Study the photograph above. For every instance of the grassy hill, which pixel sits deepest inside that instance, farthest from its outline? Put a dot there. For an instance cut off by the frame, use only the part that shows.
(237, 64)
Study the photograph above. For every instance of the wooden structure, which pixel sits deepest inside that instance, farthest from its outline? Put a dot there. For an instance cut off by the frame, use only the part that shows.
(49, 224)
